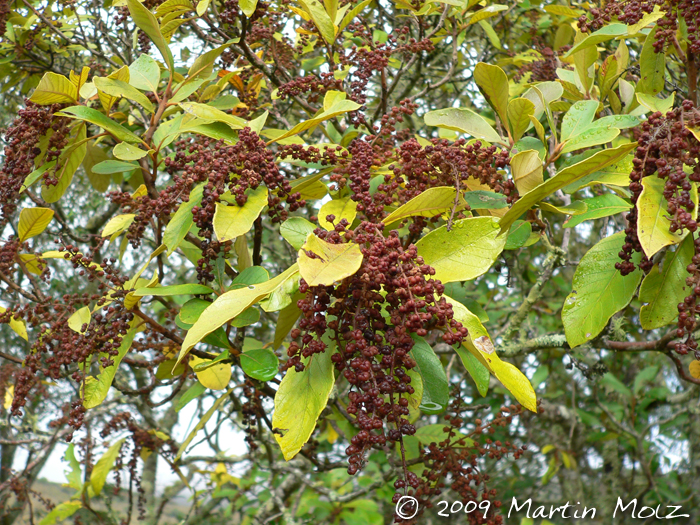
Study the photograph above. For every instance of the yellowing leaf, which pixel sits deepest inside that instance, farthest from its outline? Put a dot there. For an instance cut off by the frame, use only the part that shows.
(229, 305)
(694, 369)
(125, 151)
(568, 175)
(79, 318)
(300, 399)
(33, 221)
(463, 120)
(520, 111)
(330, 263)
(17, 326)
(494, 85)
(147, 22)
(340, 107)
(428, 203)
(321, 20)
(54, 89)
(653, 224)
(9, 396)
(119, 87)
(98, 477)
(205, 112)
(341, 208)
(248, 7)
(67, 164)
(463, 253)
(514, 380)
(215, 377)
(61, 512)
(231, 221)
(527, 170)
(118, 224)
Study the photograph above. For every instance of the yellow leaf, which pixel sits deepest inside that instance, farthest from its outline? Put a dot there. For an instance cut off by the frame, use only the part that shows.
(9, 396)
(300, 399)
(653, 224)
(229, 305)
(231, 221)
(54, 89)
(215, 377)
(519, 112)
(118, 224)
(694, 369)
(494, 84)
(331, 262)
(527, 170)
(33, 221)
(17, 326)
(429, 203)
(463, 253)
(342, 209)
(78, 319)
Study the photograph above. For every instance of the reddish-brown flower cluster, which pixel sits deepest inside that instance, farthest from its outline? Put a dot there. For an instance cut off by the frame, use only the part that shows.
(669, 150)
(632, 11)
(454, 464)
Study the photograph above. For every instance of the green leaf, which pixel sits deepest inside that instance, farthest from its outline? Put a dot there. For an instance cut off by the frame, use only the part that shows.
(429, 203)
(331, 262)
(61, 512)
(527, 170)
(147, 22)
(519, 112)
(202, 423)
(590, 137)
(299, 401)
(320, 19)
(485, 200)
(436, 391)
(33, 221)
(566, 176)
(99, 473)
(662, 291)
(493, 83)
(604, 34)
(99, 119)
(181, 222)
(75, 474)
(350, 15)
(599, 291)
(295, 230)
(93, 156)
(96, 389)
(652, 222)
(600, 206)
(478, 372)
(260, 363)
(463, 253)
(652, 67)
(67, 165)
(463, 120)
(486, 12)
(144, 74)
(107, 167)
(178, 289)
(578, 118)
(190, 394)
(248, 7)
(518, 235)
(345, 208)
(227, 306)
(125, 151)
(436, 434)
(652, 103)
(54, 89)
(231, 221)
(119, 88)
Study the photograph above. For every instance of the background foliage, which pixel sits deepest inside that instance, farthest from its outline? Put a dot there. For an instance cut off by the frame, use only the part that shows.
(440, 248)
